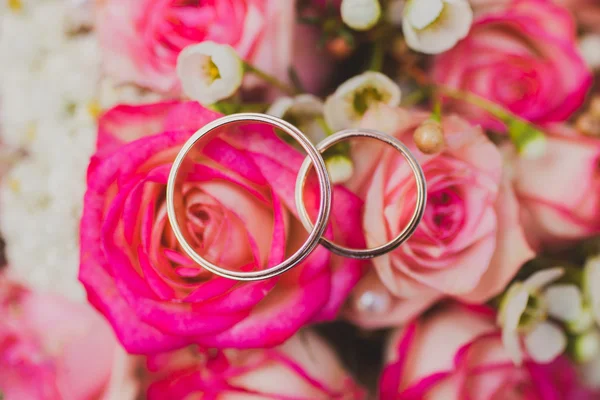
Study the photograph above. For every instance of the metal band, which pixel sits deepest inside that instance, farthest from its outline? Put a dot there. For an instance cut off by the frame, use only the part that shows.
(421, 193)
(174, 199)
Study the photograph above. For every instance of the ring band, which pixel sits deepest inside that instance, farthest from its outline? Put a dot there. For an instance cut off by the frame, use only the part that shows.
(316, 232)
(408, 229)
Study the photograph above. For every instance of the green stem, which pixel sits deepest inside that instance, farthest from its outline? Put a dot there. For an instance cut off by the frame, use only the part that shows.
(323, 124)
(528, 139)
(414, 98)
(270, 79)
(478, 101)
(376, 63)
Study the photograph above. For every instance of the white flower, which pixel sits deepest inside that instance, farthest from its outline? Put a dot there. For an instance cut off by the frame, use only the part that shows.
(591, 285)
(345, 108)
(523, 312)
(434, 26)
(305, 111)
(564, 302)
(360, 15)
(209, 71)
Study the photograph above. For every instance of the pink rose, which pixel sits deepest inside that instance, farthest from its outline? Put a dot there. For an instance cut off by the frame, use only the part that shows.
(141, 39)
(522, 56)
(302, 368)
(470, 242)
(560, 191)
(241, 212)
(457, 354)
(53, 349)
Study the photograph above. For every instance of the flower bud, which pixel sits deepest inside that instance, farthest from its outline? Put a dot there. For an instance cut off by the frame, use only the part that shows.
(339, 48)
(581, 324)
(585, 347)
(340, 168)
(209, 71)
(360, 15)
(588, 124)
(429, 137)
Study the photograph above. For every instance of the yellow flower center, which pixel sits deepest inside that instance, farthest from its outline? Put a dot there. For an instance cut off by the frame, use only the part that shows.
(15, 5)
(210, 71)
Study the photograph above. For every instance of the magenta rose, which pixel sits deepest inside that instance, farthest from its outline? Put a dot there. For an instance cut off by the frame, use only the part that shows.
(53, 349)
(559, 192)
(240, 212)
(457, 354)
(522, 55)
(303, 368)
(470, 242)
(141, 39)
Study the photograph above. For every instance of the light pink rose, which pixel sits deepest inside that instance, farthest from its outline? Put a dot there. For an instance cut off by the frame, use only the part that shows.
(560, 191)
(53, 349)
(522, 56)
(141, 39)
(302, 368)
(240, 211)
(470, 242)
(457, 354)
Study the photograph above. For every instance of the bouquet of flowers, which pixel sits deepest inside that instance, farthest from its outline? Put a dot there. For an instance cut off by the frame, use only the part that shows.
(496, 295)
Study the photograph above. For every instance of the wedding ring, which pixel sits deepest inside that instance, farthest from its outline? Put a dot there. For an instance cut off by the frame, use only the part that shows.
(175, 200)
(408, 229)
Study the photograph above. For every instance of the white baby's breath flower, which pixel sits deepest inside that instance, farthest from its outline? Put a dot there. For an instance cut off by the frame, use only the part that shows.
(43, 118)
(434, 26)
(345, 108)
(523, 313)
(360, 15)
(305, 111)
(209, 71)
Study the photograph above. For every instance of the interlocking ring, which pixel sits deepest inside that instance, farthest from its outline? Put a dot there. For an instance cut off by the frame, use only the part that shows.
(174, 199)
(408, 229)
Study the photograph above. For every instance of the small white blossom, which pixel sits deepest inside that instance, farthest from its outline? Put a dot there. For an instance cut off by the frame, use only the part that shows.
(360, 15)
(346, 107)
(545, 342)
(518, 318)
(209, 71)
(305, 111)
(434, 26)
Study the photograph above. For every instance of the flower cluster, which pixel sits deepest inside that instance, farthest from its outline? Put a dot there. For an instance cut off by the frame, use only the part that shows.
(495, 295)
